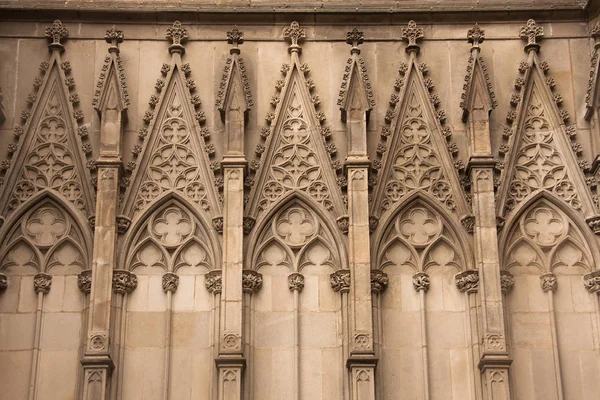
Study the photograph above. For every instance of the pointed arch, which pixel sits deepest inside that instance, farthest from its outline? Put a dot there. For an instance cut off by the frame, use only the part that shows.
(388, 228)
(572, 217)
(203, 229)
(265, 233)
(15, 224)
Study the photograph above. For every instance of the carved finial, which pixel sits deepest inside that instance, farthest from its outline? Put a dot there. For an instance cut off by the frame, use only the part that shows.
(56, 33)
(294, 33)
(235, 37)
(177, 34)
(531, 32)
(595, 33)
(354, 38)
(114, 36)
(411, 35)
(476, 35)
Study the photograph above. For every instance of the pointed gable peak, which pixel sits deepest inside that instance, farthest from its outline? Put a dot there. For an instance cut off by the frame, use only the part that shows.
(539, 156)
(356, 91)
(111, 89)
(477, 89)
(234, 85)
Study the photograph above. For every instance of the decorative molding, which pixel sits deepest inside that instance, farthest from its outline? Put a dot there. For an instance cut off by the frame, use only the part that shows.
(296, 282)
(531, 32)
(248, 225)
(251, 281)
(56, 34)
(340, 280)
(84, 281)
(467, 281)
(343, 223)
(468, 222)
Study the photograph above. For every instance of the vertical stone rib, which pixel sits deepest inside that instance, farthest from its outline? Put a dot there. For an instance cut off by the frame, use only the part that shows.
(42, 283)
(549, 284)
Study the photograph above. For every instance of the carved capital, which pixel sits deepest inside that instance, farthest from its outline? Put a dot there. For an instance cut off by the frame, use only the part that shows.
(218, 224)
(531, 32)
(296, 282)
(123, 224)
(468, 222)
(42, 283)
(251, 281)
(379, 281)
(177, 35)
(373, 223)
(421, 281)
(594, 223)
(467, 281)
(507, 281)
(343, 223)
(170, 281)
(123, 281)
(56, 34)
(213, 281)
(340, 280)
(592, 282)
(3, 282)
(248, 223)
(84, 281)
(411, 35)
(549, 282)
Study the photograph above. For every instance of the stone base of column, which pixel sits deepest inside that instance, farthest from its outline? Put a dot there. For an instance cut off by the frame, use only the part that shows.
(494, 374)
(231, 370)
(362, 376)
(96, 377)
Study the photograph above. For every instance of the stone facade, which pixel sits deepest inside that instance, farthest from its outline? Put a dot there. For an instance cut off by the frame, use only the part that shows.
(328, 201)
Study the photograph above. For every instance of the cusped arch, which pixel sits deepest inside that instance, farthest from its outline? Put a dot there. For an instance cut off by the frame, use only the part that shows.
(76, 230)
(260, 238)
(383, 237)
(545, 199)
(133, 238)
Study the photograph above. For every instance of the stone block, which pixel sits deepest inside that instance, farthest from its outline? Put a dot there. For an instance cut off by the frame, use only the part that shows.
(16, 331)
(138, 326)
(61, 331)
(50, 374)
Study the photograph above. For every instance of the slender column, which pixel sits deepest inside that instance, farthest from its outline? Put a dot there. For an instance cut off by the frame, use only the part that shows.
(233, 107)
(340, 282)
(214, 285)
(549, 285)
(41, 283)
(421, 285)
(84, 282)
(170, 281)
(97, 361)
(379, 281)
(123, 283)
(296, 284)
(478, 104)
(251, 283)
(468, 283)
(592, 284)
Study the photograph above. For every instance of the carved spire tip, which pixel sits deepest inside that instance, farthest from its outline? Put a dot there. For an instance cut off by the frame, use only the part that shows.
(178, 35)
(294, 33)
(235, 37)
(411, 35)
(476, 35)
(354, 38)
(113, 37)
(531, 32)
(56, 34)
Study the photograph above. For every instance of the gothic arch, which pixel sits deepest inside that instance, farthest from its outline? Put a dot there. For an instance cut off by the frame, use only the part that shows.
(383, 237)
(13, 231)
(587, 240)
(259, 239)
(133, 240)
